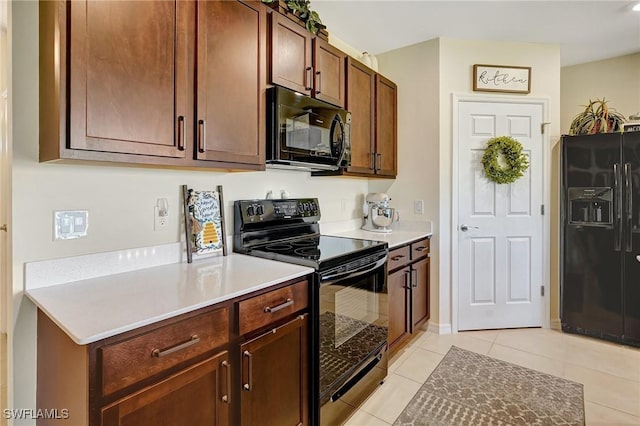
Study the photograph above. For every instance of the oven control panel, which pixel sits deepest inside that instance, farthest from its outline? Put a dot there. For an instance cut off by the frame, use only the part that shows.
(255, 211)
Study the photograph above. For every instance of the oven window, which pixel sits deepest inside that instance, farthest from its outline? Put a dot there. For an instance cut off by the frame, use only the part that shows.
(353, 327)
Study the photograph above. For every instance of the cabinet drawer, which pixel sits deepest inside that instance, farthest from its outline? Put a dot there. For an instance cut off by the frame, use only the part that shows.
(398, 257)
(269, 307)
(420, 249)
(127, 362)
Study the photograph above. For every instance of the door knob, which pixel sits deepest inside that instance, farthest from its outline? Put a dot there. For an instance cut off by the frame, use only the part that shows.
(3, 228)
(465, 228)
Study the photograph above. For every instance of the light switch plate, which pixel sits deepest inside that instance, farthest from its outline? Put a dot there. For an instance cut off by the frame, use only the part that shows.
(70, 224)
(418, 206)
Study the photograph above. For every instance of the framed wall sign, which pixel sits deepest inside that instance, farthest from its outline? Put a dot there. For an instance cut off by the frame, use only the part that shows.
(501, 78)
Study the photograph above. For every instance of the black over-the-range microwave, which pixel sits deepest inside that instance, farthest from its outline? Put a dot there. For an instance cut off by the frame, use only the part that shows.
(306, 133)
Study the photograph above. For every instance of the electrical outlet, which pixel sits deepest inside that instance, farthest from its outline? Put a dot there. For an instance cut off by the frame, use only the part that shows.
(161, 215)
(70, 224)
(418, 206)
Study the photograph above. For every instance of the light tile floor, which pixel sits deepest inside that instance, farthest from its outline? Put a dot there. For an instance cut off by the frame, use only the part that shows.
(609, 372)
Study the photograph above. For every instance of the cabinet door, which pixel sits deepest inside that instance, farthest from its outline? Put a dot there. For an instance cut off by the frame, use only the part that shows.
(290, 54)
(196, 396)
(361, 103)
(130, 76)
(329, 72)
(231, 81)
(386, 127)
(399, 306)
(420, 292)
(275, 377)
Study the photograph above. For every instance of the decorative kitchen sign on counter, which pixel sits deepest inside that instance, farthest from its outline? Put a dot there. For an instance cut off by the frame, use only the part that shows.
(204, 221)
(501, 78)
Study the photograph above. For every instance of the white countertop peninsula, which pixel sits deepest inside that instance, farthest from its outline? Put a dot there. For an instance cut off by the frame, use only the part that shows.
(92, 309)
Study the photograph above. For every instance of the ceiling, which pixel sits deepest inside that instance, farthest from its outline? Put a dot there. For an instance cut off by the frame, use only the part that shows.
(585, 30)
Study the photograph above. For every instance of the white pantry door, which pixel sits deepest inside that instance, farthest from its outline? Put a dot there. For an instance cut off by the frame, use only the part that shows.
(500, 252)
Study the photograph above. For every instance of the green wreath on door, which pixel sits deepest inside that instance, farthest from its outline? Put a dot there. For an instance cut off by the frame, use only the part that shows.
(515, 162)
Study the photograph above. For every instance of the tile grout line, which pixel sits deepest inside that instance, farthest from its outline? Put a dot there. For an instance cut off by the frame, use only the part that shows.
(611, 408)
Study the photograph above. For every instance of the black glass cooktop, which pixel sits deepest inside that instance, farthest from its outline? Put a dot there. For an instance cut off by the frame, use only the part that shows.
(315, 251)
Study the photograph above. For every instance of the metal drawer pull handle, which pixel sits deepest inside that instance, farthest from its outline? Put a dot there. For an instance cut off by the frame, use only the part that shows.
(286, 304)
(319, 82)
(227, 398)
(398, 257)
(247, 386)
(181, 133)
(422, 248)
(407, 280)
(202, 136)
(158, 353)
(308, 78)
(414, 278)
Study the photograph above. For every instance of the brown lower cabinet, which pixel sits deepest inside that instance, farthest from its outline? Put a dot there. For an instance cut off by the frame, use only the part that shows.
(194, 369)
(408, 287)
(399, 302)
(275, 376)
(178, 400)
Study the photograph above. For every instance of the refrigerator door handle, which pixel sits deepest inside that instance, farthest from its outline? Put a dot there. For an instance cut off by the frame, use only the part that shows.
(628, 186)
(617, 200)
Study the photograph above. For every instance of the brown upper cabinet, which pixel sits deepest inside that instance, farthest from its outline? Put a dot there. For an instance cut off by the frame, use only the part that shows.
(231, 83)
(386, 140)
(372, 101)
(361, 103)
(118, 82)
(329, 73)
(304, 63)
(129, 77)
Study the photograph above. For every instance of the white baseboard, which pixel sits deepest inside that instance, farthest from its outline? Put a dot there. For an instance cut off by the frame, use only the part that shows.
(434, 327)
(556, 324)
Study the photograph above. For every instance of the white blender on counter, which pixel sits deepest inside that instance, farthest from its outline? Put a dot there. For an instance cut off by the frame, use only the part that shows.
(378, 216)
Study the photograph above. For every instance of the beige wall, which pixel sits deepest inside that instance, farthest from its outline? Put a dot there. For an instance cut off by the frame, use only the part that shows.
(428, 75)
(415, 70)
(617, 80)
(120, 200)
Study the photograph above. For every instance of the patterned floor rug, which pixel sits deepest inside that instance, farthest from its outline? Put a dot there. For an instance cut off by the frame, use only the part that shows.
(472, 389)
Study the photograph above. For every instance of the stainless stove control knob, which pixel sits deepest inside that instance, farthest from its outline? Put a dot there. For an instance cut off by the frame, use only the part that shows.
(250, 211)
(314, 207)
(260, 209)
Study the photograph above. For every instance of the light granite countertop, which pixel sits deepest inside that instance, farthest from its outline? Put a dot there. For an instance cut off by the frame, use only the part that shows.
(96, 308)
(401, 234)
(96, 296)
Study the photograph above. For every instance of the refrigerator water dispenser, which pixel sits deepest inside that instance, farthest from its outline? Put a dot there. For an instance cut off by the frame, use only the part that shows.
(590, 206)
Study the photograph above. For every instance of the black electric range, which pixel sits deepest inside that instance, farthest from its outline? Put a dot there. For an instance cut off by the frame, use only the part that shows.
(348, 297)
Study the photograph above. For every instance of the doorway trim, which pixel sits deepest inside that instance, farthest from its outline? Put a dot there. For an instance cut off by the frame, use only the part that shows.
(457, 99)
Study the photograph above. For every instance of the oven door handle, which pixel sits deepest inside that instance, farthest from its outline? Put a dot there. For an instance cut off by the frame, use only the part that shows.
(357, 376)
(355, 273)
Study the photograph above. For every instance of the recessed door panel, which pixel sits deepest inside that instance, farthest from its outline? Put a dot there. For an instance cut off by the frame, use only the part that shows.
(483, 279)
(484, 125)
(484, 191)
(519, 126)
(519, 203)
(519, 269)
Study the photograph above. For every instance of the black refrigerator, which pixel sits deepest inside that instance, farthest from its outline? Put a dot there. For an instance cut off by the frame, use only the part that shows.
(600, 248)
